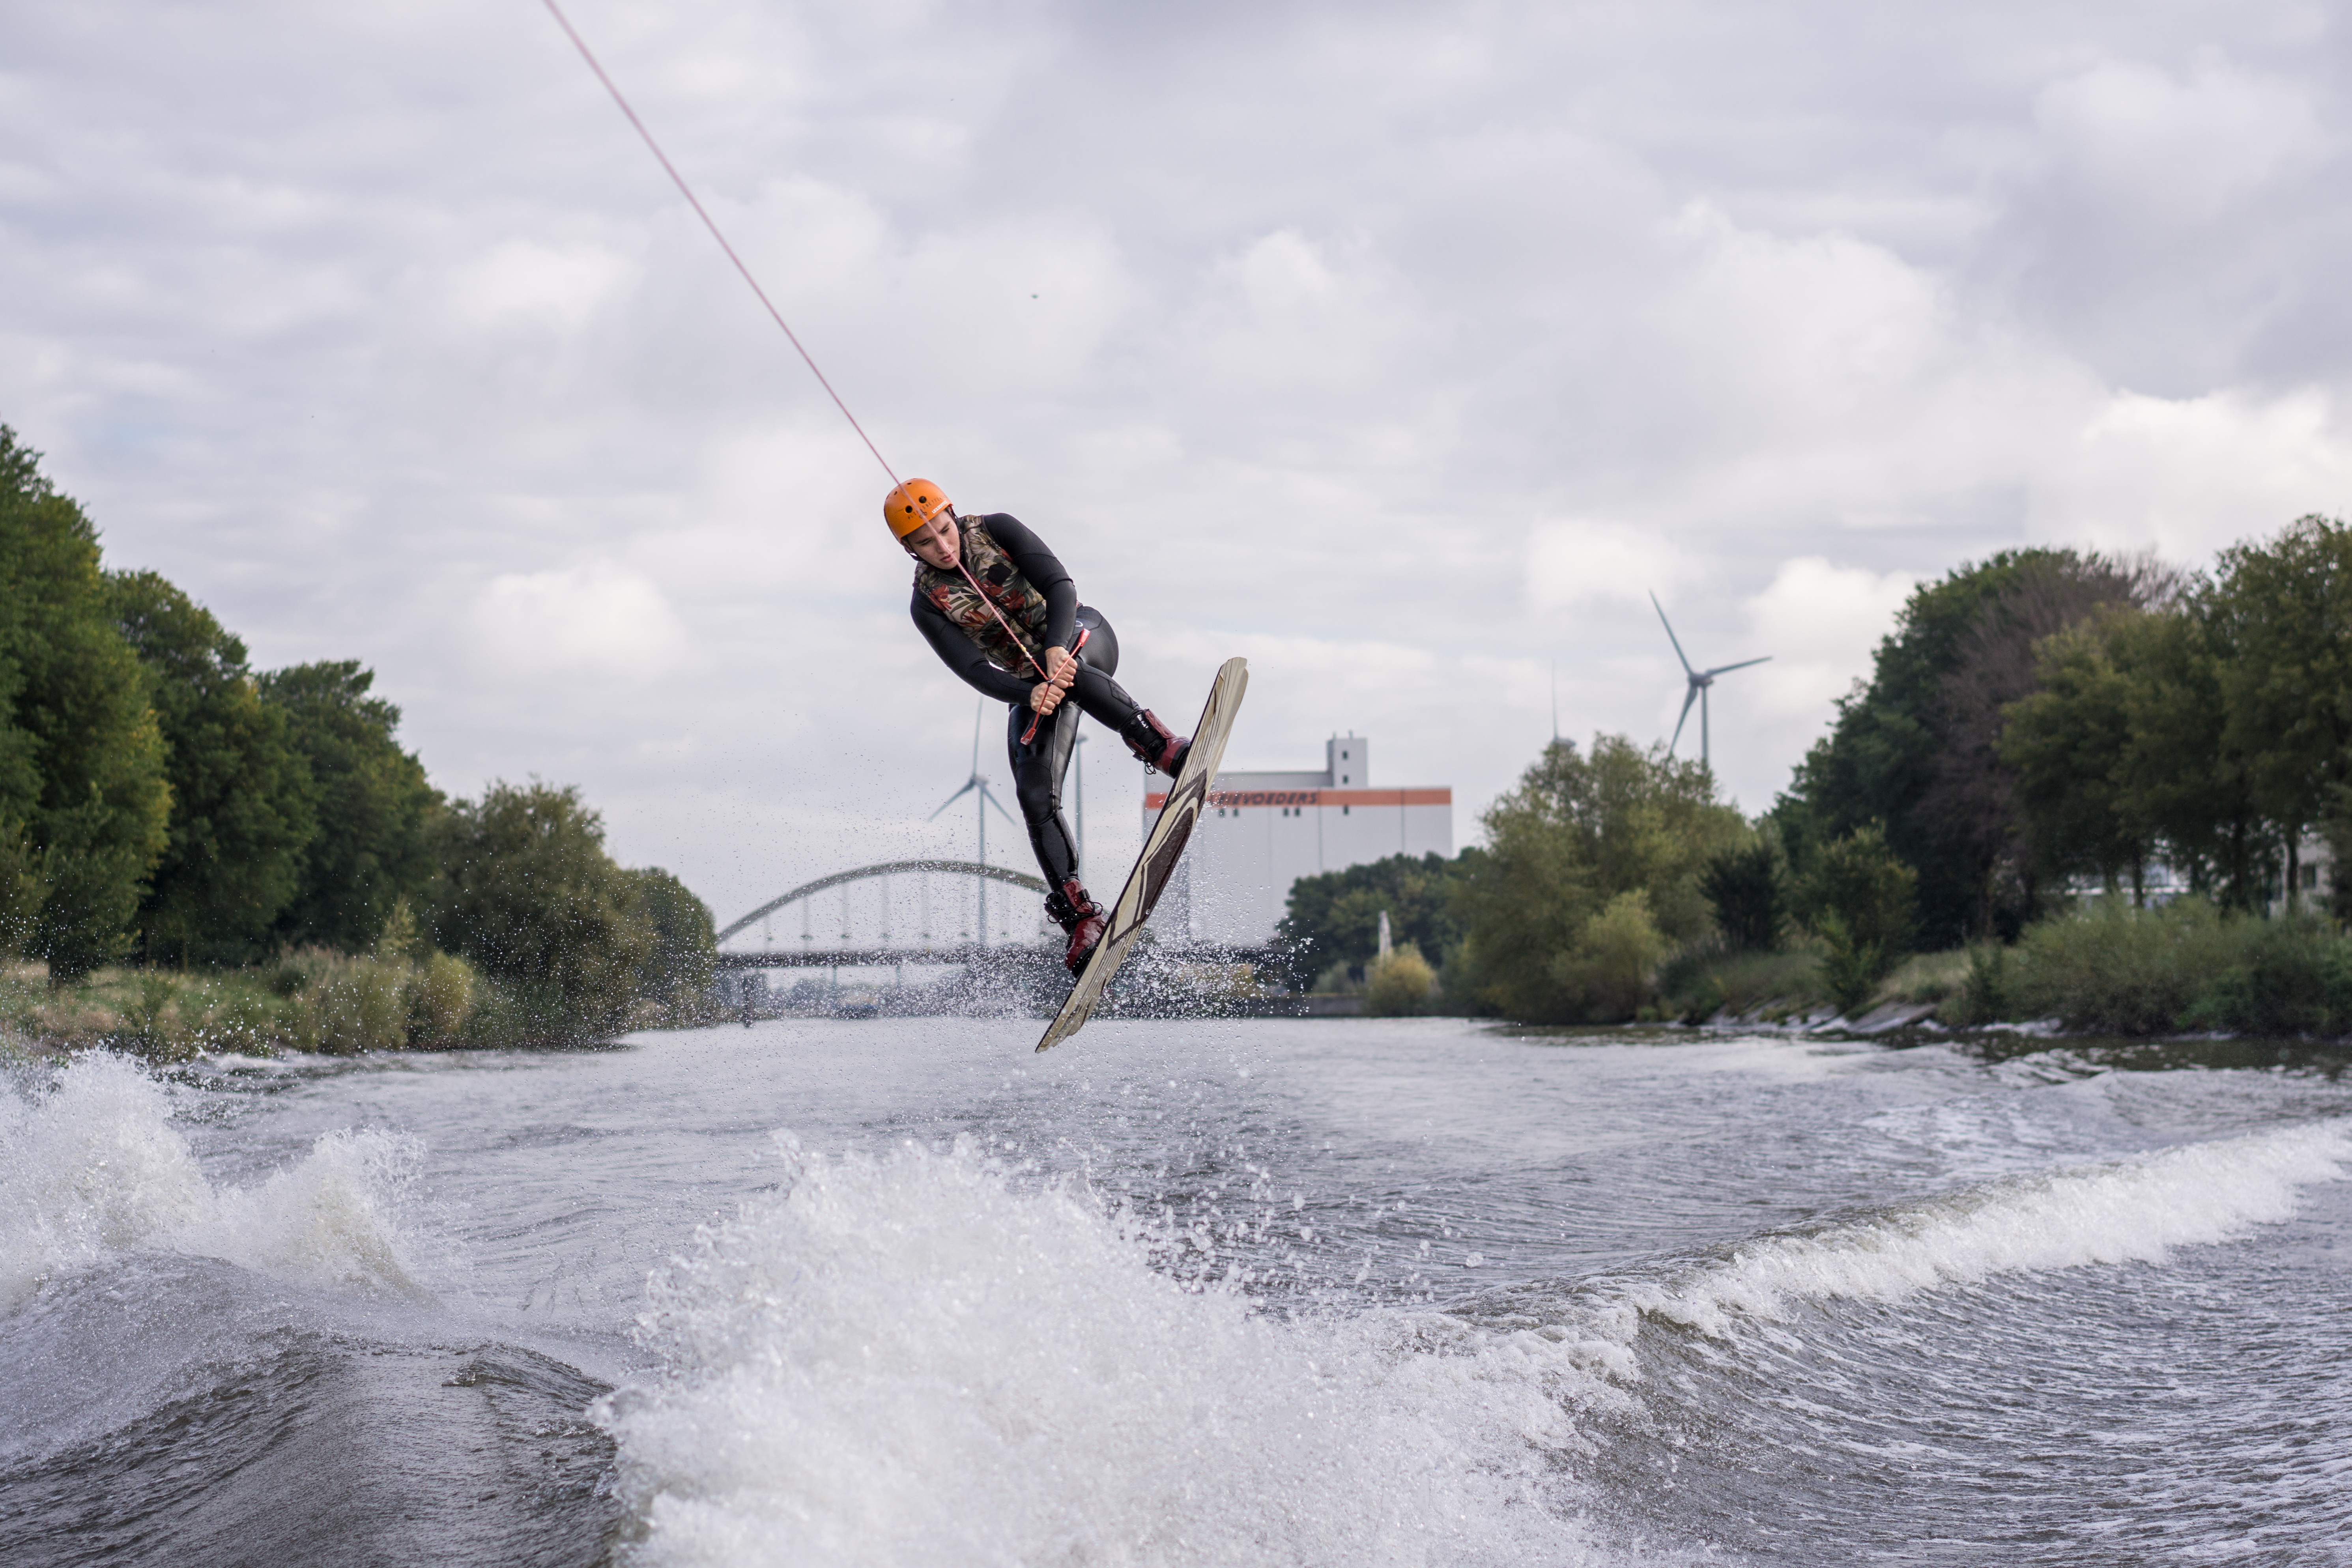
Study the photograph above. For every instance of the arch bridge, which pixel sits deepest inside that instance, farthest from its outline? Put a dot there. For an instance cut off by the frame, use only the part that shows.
(872, 930)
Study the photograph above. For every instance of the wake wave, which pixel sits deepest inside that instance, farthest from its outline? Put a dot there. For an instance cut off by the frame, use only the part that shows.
(2132, 1210)
(93, 1169)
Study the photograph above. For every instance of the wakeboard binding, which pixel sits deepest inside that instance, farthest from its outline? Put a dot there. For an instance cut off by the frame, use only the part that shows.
(1078, 914)
(1154, 744)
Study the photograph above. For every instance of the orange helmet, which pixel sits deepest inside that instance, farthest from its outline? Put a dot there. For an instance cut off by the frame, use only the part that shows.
(911, 505)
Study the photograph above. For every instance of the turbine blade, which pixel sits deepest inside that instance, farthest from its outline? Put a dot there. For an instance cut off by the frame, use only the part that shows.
(989, 795)
(1743, 664)
(1689, 697)
(954, 798)
(1670, 635)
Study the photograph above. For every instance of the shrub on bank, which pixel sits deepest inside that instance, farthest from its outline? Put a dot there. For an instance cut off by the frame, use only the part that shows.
(447, 992)
(1610, 976)
(315, 999)
(2117, 970)
(347, 1005)
(1925, 977)
(2295, 977)
(1399, 984)
(1706, 979)
(2188, 966)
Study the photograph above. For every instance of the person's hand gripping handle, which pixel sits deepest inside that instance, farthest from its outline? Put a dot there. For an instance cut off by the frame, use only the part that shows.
(1061, 669)
(1047, 694)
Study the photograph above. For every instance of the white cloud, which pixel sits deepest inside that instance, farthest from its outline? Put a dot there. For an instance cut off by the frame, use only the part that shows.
(596, 621)
(1819, 623)
(1578, 562)
(2181, 147)
(2189, 476)
(522, 282)
(1401, 350)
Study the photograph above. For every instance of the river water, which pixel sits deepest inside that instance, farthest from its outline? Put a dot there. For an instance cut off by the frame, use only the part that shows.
(1322, 1292)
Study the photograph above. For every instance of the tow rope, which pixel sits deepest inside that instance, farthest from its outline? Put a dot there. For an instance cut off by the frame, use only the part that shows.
(777, 316)
(691, 200)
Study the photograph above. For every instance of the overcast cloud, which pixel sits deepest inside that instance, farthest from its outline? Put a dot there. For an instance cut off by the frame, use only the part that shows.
(1404, 350)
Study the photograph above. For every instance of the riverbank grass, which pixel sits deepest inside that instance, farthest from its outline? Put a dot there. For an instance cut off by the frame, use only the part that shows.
(316, 1001)
(1771, 986)
(2188, 967)
(312, 1000)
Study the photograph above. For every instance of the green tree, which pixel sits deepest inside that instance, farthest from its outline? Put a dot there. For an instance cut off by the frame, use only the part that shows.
(1918, 748)
(1861, 897)
(683, 955)
(2070, 744)
(528, 895)
(1609, 975)
(375, 811)
(1878, 762)
(1744, 885)
(2282, 614)
(83, 801)
(2179, 776)
(2125, 753)
(1526, 902)
(1334, 917)
(242, 807)
(1580, 832)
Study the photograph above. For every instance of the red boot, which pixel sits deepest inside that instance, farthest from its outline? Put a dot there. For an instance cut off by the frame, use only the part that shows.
(1079, 915)
(1154, 744)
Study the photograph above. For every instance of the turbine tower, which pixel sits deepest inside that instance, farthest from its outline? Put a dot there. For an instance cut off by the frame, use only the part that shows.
(985, 798)
(1700, 679)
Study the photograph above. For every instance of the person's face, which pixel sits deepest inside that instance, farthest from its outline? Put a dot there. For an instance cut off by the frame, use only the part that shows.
(938, 540)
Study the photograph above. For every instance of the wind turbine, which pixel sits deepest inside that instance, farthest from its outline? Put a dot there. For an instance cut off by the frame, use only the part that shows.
(984, 798)
(1700, 679)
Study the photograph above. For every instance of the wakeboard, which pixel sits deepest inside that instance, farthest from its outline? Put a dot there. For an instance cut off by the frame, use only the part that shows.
(1163, 847)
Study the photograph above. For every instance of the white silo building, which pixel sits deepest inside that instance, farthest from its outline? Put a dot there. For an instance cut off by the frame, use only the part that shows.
(1263, 831)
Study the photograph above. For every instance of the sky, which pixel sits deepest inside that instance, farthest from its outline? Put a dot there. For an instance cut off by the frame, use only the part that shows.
(1405, 349)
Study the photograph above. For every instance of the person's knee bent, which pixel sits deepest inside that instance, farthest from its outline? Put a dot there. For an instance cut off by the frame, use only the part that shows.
(1104, 698)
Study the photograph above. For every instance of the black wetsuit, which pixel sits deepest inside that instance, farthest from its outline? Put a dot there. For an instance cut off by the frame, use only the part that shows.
(1038, 768)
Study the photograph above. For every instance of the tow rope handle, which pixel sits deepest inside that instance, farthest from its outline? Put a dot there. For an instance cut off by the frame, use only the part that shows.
(1031, 733)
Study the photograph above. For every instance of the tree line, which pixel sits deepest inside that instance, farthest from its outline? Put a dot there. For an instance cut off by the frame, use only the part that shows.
(2053, 717)
(1592, 874)
(2037, 724)
(164, 802)
(1603, 866)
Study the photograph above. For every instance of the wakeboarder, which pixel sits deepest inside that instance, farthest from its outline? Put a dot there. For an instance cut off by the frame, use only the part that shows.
(1001, 612)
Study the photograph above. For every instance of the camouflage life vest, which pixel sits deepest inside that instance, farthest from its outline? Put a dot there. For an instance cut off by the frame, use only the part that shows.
(1020, 604)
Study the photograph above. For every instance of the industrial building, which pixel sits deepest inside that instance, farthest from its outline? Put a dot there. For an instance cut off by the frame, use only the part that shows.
(1263, 831)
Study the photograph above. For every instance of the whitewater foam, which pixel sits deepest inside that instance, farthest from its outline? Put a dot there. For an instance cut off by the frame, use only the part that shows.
(91, 1167)
(910, 1359)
